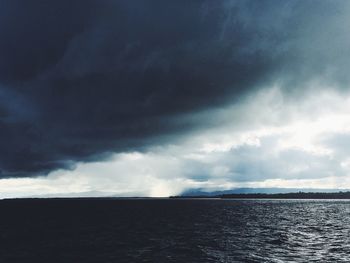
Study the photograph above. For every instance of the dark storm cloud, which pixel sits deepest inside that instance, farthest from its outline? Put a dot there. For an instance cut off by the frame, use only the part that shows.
(79, 79)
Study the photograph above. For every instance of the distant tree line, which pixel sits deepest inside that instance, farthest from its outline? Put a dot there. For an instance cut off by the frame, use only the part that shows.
(297, 195)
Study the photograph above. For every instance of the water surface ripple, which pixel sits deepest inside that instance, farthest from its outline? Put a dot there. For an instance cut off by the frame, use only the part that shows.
(172, 230)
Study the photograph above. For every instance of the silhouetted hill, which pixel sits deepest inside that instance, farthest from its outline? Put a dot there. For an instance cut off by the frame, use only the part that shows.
(202, 192)
(295, 195)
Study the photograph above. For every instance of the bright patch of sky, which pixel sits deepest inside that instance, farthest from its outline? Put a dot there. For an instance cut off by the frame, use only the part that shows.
(266, 140)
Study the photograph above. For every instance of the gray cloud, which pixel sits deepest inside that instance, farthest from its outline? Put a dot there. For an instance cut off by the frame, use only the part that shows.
(83, 79)
(249, 163)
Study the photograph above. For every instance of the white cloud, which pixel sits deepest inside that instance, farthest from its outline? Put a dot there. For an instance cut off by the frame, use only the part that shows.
(265, 140)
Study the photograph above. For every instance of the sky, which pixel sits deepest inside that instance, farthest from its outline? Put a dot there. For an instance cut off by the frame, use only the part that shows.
(152, 98)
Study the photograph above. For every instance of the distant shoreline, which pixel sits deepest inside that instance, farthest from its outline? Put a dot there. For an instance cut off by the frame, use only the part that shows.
(297, 195)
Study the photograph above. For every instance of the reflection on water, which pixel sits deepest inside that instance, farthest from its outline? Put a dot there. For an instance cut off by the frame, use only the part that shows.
(97, 230)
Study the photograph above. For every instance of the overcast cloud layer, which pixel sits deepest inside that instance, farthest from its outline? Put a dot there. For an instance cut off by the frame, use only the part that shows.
(204, 93)
(278, 144)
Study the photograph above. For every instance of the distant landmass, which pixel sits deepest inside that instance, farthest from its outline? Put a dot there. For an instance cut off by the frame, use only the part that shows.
(202, 192)
(269, 193)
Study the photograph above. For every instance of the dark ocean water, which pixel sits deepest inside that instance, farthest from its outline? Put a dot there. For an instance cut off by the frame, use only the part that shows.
(169, 230)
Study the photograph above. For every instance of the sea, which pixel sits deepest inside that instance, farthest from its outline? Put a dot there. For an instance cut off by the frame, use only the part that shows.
(174, 230)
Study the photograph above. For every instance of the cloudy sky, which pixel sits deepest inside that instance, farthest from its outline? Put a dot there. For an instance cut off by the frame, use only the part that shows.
(151, 98)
